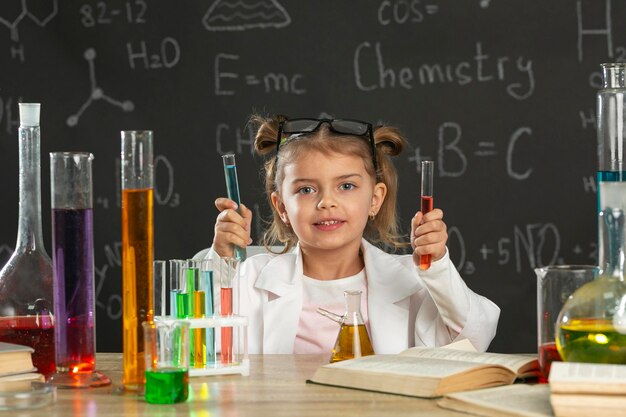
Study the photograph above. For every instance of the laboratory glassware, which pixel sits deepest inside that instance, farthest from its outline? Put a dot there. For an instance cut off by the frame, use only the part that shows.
(353, 340)
(426, 202)
(232, 188)
(26, 289)
(592, 324)
(137, 250)
(176, 268)
(227, 276)
(554, 286)
(166, 360)
(611, 116)
(73, 259)
(159, 273)
(206, 286)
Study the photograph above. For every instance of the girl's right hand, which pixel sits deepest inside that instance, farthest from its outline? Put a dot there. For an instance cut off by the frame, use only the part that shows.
(231, 228)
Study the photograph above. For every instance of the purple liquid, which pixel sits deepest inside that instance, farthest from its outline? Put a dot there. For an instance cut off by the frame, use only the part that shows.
(72, 249)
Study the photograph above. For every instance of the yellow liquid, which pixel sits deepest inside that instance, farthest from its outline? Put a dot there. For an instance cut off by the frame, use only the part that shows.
(199, 335)
(591, 340)
(345, 346)
(137, 257)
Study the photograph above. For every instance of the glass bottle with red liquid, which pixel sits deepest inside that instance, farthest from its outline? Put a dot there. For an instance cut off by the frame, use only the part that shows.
(427, 202)
(72, 252)
(26, 296)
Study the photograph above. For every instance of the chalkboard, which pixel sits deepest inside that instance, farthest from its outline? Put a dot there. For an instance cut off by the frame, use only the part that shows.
(501, 94)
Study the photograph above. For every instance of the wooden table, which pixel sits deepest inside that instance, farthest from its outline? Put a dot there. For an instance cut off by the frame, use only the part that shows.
(276, 387)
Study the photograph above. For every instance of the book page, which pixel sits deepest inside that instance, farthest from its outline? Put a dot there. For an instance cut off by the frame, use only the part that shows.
(512, 362)
(405, 365)
(511, 400)
(588, 378)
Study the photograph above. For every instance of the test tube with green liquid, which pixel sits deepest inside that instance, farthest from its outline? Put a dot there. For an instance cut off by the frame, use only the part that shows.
(232, 188)
(176, 266)
(186, 297)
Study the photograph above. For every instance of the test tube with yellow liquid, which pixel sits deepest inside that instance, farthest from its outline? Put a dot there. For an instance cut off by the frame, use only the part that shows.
(137, 251)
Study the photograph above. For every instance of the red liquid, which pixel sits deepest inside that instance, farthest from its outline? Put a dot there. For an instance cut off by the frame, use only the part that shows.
(34, 331)
(226, 309)
(427, 205)
(79, 355)
(547, 355)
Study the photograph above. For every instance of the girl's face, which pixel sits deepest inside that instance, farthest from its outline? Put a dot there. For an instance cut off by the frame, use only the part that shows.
(327, 199)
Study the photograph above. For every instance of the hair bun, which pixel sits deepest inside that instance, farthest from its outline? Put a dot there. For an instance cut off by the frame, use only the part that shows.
(389, 140)
(267, 129)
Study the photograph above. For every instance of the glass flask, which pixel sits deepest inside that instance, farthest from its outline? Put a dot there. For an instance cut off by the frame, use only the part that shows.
(592, 324)
(72, 254)
(137, 251)
(353, 341)
(26, 300)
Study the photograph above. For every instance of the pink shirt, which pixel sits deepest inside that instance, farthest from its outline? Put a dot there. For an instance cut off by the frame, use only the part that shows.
(316, 333)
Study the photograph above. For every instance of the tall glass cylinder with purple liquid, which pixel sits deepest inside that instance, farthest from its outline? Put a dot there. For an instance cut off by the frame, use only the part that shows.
(72, 246)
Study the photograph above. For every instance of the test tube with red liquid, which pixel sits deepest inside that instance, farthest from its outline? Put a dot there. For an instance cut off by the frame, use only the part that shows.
(426, 201)
(226, 308)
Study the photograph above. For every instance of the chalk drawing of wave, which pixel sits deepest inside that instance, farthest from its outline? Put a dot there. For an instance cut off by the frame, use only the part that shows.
(237, 15)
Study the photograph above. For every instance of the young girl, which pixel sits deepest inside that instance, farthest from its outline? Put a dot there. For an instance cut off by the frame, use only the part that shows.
(333, 191)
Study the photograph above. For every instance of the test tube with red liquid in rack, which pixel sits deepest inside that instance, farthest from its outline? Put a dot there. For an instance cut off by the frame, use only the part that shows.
(226, 308)
(426, 201)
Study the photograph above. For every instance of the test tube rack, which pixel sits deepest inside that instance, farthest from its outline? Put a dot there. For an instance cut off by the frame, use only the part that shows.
(240, 366)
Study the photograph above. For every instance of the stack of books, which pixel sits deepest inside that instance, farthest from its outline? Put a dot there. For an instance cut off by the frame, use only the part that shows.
(16, 368)
(588, 389)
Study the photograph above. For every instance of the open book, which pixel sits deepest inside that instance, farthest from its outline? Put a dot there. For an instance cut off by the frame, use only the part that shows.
(517, 400)
(427, 372)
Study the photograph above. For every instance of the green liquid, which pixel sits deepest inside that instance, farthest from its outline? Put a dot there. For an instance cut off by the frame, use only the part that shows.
(167, 386)
(182, 305)
(591, 340)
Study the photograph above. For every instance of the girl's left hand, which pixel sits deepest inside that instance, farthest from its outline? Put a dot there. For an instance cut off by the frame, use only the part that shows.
(428, 235)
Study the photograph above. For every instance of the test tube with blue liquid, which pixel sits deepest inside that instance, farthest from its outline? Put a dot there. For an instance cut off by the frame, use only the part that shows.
(206, 285)
(232, 188)
(176, 266)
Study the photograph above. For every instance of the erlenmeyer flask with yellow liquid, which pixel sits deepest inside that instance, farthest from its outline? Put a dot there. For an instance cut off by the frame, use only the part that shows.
(592, 324)
(353, 341)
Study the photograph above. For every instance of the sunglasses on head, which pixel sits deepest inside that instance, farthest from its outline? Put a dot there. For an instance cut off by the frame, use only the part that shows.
(302, 126)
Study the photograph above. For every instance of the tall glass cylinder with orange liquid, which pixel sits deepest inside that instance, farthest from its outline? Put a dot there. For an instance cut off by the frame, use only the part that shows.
(137, 250)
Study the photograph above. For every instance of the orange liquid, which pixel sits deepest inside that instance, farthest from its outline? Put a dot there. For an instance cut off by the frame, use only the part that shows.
(199, 335)
(226, 309)
(345, 347)
(137, 257)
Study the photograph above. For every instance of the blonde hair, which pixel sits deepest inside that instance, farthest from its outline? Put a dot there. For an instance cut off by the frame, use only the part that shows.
(384, 229)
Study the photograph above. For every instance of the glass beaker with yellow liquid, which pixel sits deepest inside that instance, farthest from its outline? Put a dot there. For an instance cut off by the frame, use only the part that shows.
(353, 341)
(592, 324)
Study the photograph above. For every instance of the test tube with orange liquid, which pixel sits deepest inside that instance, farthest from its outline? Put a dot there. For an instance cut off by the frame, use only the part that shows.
(426, 201)
(137, 251)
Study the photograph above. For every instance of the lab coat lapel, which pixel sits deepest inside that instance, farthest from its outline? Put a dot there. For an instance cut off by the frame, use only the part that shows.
(390, 284)
(282, 279)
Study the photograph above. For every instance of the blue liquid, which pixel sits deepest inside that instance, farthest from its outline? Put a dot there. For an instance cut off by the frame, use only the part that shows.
(607, 237)
(173, 311)
(207, 278)
(232, 188)
(608, 176)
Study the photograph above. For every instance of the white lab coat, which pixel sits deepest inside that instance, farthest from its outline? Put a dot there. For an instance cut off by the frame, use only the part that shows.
(406, 306)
